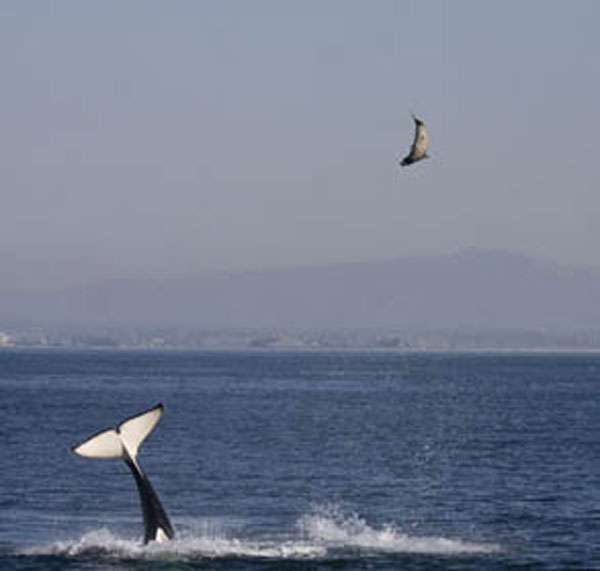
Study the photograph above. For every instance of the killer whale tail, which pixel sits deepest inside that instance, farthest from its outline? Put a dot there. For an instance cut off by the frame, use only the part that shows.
(123, 441)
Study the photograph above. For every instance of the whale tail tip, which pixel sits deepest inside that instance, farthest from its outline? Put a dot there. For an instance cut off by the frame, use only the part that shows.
(123, 440)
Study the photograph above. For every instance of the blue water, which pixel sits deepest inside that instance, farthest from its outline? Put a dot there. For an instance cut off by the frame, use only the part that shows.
(305, 460)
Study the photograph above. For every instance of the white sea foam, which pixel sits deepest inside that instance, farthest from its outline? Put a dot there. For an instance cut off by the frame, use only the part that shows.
(185, 547)
(324, 532)
(331, 527)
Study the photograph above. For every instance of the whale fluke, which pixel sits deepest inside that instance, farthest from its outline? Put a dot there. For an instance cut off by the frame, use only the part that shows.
(418, 150)
(123, 442)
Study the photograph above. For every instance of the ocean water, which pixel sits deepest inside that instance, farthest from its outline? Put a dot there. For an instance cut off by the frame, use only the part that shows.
(305, 460)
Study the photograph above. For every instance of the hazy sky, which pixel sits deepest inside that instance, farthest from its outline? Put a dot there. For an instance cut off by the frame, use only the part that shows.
(145, 138)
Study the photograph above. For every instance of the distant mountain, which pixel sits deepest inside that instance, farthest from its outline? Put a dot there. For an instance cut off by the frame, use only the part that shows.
(470, 290)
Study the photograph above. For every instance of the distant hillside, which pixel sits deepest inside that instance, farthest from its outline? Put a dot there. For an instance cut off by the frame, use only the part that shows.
(471, 290)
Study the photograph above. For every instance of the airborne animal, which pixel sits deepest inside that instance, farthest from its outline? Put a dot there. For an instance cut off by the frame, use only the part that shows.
(418, 150)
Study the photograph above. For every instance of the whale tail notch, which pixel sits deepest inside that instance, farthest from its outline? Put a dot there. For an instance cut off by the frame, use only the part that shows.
(123, 441)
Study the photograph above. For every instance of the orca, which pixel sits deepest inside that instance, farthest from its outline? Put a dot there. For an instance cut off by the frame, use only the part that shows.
(123, 442)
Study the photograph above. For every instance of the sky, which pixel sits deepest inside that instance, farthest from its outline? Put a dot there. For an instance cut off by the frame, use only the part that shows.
(162, 139)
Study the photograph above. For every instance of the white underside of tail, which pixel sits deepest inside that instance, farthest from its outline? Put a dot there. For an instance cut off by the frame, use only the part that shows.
(122, 441)
(106, 444)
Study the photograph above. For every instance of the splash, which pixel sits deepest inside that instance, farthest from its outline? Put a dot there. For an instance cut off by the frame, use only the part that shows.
(186, 547)
(325, 532)
(331, 527)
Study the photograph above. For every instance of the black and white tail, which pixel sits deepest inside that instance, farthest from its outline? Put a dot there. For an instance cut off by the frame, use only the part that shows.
(123, 442)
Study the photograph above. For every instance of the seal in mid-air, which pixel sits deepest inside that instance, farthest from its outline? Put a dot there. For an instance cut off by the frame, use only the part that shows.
(418, 150)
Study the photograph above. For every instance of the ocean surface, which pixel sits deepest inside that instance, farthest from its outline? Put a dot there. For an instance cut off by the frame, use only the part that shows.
(305, 460)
